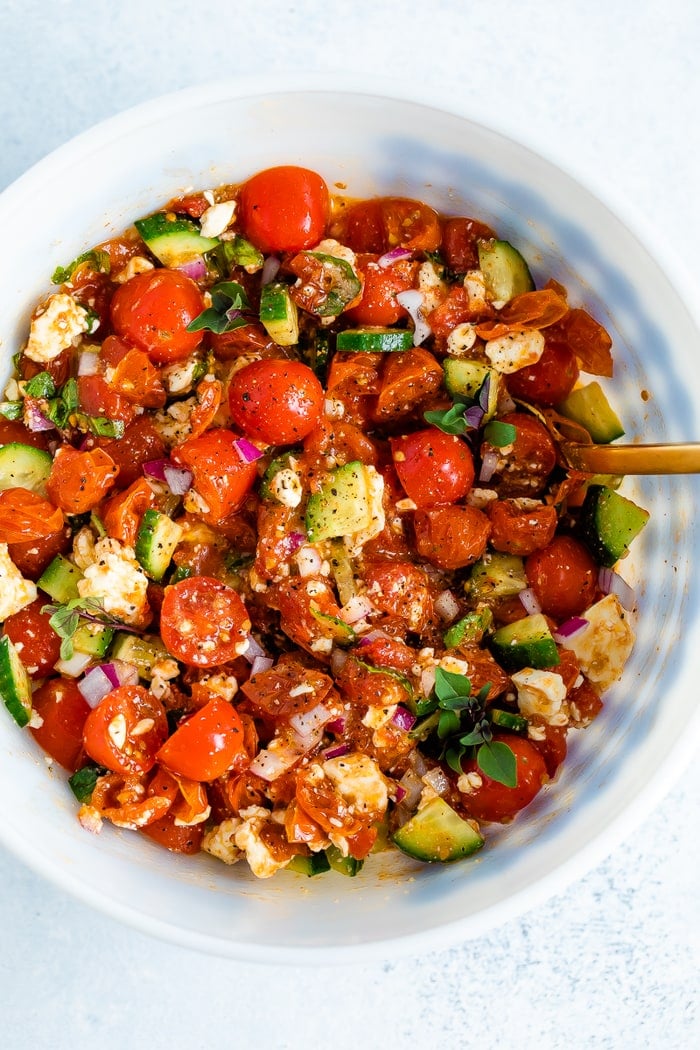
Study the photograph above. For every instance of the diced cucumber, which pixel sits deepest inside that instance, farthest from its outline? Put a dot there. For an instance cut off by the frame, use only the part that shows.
(174, 241)
(60, 580)
(374, 340)
(24, 467)
(496, 576)
(525, 643)
(157, 538)
(506, 274)
(609, 522)
(340, 282)
(279, 315)
(437, 834)
(180, 572)
(465, 379)
(143, 653)
(348, 866)
(471, 628)
(589, 406)
(15, 684)
(333, 627)
(342, 571)
(343, 506)
(316, 864)
(92, 639)
(508, 720)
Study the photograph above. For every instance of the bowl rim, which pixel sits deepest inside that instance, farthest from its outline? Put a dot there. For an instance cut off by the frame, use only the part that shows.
(660, 781)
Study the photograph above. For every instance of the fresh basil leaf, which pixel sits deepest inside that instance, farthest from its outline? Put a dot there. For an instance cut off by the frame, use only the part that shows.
(227, 297)
(42, 385)
(453, 757)
(427, 706)
(11, 409)
(99, 261)
(83, 782)
(449, 685)
(500, 434)
(57, 412)
(497, 761)
(448, 723)
(69, 394)
(108, 428)
(452, 421)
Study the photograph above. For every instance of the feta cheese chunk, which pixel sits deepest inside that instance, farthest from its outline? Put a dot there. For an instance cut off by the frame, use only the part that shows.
(217, 218)
(118, 580)
(221, 841)
(359, 781)
(247, 838)
(15, 591)
(517, 350)
(431, 284)
(337, 250)
(286, 487)
(541, 694)
(61, 322)
(603, 648)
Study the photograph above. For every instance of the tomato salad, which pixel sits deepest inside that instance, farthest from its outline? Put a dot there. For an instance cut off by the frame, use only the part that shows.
(291, 569)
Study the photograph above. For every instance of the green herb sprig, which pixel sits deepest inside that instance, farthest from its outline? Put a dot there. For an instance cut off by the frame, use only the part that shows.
(65, 620)
(230, 309)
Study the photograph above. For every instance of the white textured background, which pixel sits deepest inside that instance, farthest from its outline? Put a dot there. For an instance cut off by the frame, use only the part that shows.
(612, 89)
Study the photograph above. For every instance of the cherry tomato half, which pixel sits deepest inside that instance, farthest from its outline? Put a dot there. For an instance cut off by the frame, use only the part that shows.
(63, 711)
(434, 468)
(564, 577)
(206, 745)
(278, 402)
(125, 730)
(40, 645)
(79, 480)
(550, 380)
(284, 209)
(378, 305)
(494, 801)
(389, 222)
(24, 515)
(221, 478)
(203, 622)
(152, 312)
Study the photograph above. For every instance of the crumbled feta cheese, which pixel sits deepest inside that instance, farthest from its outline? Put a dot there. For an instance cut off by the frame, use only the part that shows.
(61, 322)
(217, 218)
(461, 339)
(84, 547)
(468, 783)
(337, 250)
(137, 264)
(516, 350)
(603, 648)
(540, 693)
(247, 838)
(221, 841)
(377, 717)
(475, 287)
(431, 284)
(179, 377)
(173, 425)
(480, 498)
(359, 781)
(118, 580)
(286, 487)
(15, 591)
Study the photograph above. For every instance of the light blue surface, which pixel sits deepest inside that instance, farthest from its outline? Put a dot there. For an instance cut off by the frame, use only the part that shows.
(611, 962)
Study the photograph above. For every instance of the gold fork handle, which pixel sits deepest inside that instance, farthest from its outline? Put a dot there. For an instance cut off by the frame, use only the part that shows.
(633, 459)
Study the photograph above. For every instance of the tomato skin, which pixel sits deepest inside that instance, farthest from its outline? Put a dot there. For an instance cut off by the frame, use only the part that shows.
(278, 402)
(32, 556)
(24, 515)
(64, 711)
(221, 477)
(434, 468)
(79, 480)
(12, 430)
(97, 398)
(378, 305)
(521, 531)
(137, 380)
(41, 646)
(531, 460)
(451, 537)
(108, 732)
(140, 443)
(174, 837)
(408, 379)
(152, 312)
(460, 238)
(284, 209)
(400, 589)
(122, 514)
(496, 802)
(564, 577)
(389, 222)
(203, 622)
(550, 380)
(206, 744)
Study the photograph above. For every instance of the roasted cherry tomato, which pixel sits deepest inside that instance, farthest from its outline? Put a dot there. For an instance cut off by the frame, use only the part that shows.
(12, 430)
(140, 443)
(222, 479)
(206, 744)
(564, 577)
(24, 515)
(389, 222)
(284, 209)
(434, 468)
(278, 402)
(530, 461)
(378, 305)
(175, 837)
(521, 526)
(152, 312)
(79, 480)
(125, 730)
(203, 622)
(550, 380)
(39, 645)
(32, 556)
(63, 711)
(460, 243)
(493, 801)
(451, 537)
(97, 398)
(400, 589)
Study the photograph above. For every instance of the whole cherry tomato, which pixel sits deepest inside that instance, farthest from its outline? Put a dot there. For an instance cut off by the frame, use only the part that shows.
(203, 622)
(278, 402)
(434, 468)
(152, 312)
(39, 645)
(221, 478)
(206, 744)
(550, 380)
(531, 459)
(493, 801)
(564, 577)
(284, 209)
(63, 711)
(451, 537)
(125, 730)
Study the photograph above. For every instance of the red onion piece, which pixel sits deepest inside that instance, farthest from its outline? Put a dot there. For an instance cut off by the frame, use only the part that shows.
(570, 628)
(488, 465)
(178, 480)
(529, 602)
(295, 540)
(270, 269)
(338, 659)
(399, 793)
(155, 468)
(394, 255)
(610, 582)
(412, 301)
(403, 718)
(357, 608)
(88, 364)
(446, 606)
(196, 269)
(370, 637)
(272, 762)
(34, 418)
(97, 684)
(336, 726)
(261, 663)
(247, 451)
(309, 561)
(254, 650)
(337, 751)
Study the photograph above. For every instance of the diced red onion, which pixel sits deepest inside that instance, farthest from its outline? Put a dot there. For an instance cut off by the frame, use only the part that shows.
(261, 663)
(403, 718)
(338, 658)
(178, 480)
(570, 628)
(196, 269)
(96, 685)
(412, 787)
(357, 608)
(446, 606)
(247, 451)
(271, 763)
(412, 300)
(529, 602)
(295, 540)
(399, 793)
(337, 751)
(437, 780)
(122, 671)
(337, 725)
(427, 680)
(610, 582)
(270, 269)
(155, 468)
(308, 725)
(395, 255)
(308, 561)
(254, 650)
(488, 465)
(34, 418)
(370, 637)
(88, 364)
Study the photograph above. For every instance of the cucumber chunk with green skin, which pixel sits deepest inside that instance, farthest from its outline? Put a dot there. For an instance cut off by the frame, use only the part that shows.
(343, 505)
(496, 575)
(156, 541)
(143, 653)
(506, 274)
(173, 241)
(464, 379)
(60, 580)
(471, 628)
(609, 522)
(525, 643)
(374, 340)
(92, 640)
(508, 720)
(24, 467)
(316, 864)
(348, 866)
(589, 406)
(333, 627)
(15, 683)
(436, 834)
(279, 315)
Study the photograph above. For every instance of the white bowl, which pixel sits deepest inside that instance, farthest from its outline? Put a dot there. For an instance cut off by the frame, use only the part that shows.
(93, 188)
